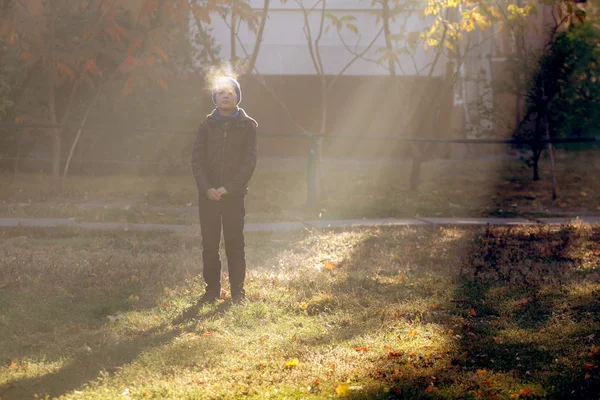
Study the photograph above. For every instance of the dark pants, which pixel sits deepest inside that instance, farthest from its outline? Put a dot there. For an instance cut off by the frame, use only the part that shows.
(229, 213)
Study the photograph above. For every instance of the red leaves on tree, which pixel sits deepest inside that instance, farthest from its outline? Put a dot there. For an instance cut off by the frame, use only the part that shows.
(128, 64)
(65, 69)
(91, 66)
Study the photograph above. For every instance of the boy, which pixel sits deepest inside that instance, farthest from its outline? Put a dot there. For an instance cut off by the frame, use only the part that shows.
(223, 161)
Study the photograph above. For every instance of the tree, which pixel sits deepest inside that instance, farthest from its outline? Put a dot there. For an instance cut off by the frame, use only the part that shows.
(78, 47)
(326, 21)
(563, 97)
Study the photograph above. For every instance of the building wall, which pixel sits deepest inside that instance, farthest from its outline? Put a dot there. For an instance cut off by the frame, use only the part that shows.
(284, 49)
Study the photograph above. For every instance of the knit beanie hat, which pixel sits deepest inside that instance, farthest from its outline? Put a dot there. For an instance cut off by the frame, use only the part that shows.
(227, 80)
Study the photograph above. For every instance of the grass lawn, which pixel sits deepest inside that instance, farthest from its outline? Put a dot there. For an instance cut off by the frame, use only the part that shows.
(474, 188)
(392, 313)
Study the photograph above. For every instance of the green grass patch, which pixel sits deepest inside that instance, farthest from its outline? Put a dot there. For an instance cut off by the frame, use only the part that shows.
(394, 313)
(449, 188)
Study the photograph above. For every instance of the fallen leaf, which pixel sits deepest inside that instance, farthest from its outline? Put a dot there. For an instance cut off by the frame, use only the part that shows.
(341, 390)
(13, 364)
(481, 371)
(587, 376)
(429, 388)
(362, 348)
(412, 333)
(329, 266)
(588, 366)
(291, 363)
(472, 312)
(205, 334)
(385, 346)
(394, 355)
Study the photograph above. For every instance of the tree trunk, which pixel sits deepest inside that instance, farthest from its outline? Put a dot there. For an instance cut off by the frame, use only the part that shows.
(537, 152)
(388, 42)
(415, 173)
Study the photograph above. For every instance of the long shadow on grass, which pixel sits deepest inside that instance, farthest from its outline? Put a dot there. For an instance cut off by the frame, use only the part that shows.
(90, 365)
(68, 308)
(522, 314)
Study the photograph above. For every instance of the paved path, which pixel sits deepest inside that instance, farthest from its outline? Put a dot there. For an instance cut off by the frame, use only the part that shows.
(294, 226)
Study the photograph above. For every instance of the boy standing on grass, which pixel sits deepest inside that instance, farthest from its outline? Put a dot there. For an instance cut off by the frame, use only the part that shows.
(223, 161)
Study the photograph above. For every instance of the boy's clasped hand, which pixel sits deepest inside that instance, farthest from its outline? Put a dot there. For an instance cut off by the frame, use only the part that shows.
(215, 194)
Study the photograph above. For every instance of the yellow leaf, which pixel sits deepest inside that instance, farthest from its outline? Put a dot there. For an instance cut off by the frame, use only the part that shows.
(291, 363)
(302, 305)
(329, 266)
(341, 390)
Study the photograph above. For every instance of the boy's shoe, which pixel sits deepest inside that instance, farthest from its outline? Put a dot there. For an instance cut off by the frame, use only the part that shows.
(207, 298)
(239, 299)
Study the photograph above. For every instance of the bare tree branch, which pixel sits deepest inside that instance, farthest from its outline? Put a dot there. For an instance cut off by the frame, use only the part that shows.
(356, 57)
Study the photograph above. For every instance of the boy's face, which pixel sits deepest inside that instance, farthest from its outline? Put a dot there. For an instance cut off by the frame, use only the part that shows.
(226, 98)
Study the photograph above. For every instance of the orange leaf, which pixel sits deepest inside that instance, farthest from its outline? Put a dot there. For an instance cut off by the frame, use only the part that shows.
(524, 392)
(64, 68)
(362, 348)
(25, 55)
(206, 334)
(13, 364)
(429, 388)
(472, 312)
(387, 347)
(160, 52)
(128, 64)
(329, 266)
(481, 371)
(394, 355)
(332, 366)
(91, 66)
(167, 305)
(412, 333)
(163, 85)
(588, 366)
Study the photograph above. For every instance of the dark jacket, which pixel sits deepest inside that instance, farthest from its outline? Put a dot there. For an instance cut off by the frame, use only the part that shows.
(224, 153)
